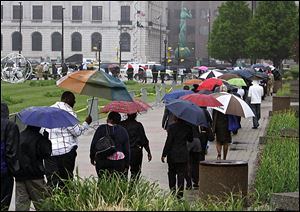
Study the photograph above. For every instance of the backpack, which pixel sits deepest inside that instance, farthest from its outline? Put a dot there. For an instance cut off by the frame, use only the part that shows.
(105, 146)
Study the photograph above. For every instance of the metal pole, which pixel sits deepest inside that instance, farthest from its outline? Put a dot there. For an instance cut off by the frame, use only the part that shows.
(178, 54)
(62, 36)
(20, 38)
(165, 41)
(120, 58)
(208, 35)
(160, 39)
(99, 48)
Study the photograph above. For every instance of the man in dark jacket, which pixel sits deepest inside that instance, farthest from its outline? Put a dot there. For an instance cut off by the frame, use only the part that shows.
(10, 138)
(30, 183)
(138, 140)
(154, 74)
(176, 151)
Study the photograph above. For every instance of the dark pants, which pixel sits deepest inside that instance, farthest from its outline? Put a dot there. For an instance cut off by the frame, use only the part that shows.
(162, 77)
(59, 168)
(136, 158)
(7, 185)
(177, 170)
(154, 75)
(111, 166)
(256, 111)
(192, 174)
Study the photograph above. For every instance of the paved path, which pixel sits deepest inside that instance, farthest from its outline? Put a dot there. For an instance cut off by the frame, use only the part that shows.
(244, 146)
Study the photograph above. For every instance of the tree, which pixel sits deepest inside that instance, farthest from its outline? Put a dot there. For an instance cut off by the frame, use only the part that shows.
(273, 29)
(229, 32)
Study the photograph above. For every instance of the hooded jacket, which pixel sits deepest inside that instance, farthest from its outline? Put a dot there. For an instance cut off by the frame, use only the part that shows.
(10, 137)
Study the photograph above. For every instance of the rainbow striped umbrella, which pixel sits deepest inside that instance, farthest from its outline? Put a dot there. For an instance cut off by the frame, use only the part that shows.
(95, 83)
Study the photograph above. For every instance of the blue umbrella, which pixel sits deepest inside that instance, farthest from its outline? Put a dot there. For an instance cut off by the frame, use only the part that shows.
(175, 95)
(48, 117)
(245, 73)
(187, 111)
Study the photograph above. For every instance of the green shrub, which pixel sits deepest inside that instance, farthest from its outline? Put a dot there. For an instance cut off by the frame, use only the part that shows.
(284, 90)
(295, 71)
(34, 83)
(56, 93)
(11, 100)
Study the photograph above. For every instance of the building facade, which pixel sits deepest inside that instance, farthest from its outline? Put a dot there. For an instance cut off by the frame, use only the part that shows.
(137, 27)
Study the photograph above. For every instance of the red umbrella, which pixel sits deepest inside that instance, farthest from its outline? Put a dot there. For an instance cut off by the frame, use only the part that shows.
(209, 84)
(202, 100)
(126, 107)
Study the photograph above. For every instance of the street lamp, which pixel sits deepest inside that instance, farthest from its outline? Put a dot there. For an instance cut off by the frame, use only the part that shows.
(165, 42)
(20, 35)
(62, 36)
(208, 36)
(160, 39)
(120, 58)
(99, 49)
(178, 54)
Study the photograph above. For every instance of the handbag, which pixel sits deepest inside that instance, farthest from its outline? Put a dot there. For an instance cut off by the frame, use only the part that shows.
(105, 146)
(210, 134)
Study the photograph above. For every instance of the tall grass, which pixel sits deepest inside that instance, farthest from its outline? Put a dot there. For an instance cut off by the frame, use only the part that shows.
(286, 119)
(115, 193)
(279, 168)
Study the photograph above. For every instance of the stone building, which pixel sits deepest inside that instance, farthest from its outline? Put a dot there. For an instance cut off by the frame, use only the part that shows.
(137, 24)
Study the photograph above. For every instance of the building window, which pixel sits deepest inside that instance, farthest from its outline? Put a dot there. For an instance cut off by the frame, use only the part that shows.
(37, 12)
(16, 12)
(36, 40)
(125, 14)
(76, 41)
(56, 12)
(125, 42)
(16, 41)
(56, 41)
(204, 14)
(97, 13)
(77, 13)
(96, 37)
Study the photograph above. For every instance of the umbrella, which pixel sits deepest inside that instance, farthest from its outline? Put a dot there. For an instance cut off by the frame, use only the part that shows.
(95, 83)
(203, 68)
(244, 73)
(48, 117)
(209, 84)
(237, 82)
(228, 76)
(126, 107)
(192, 81)
(187, 111)
(202, 100)
(175, 95)
(210, 74)
(232, 105)
(128, 65)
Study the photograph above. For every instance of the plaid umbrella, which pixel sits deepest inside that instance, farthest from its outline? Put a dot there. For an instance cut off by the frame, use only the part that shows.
(95, 83)
(126, 107)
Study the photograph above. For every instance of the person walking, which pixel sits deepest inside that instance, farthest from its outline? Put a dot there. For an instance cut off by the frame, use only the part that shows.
(154, 74)
(30, 183)
(10, 138)
(162, 75)
(223, 135)
(175, 149)
(182, 74)
(60, 165)
(118, 162)
(270, 83)
(138, 140)
(130, 73)
(168, 119)
(255, 93)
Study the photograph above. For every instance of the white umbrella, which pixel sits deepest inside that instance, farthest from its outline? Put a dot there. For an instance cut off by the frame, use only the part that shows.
(232, 105)
(210, 74)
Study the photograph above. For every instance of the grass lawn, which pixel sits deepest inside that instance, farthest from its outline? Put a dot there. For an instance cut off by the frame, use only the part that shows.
(46, 93)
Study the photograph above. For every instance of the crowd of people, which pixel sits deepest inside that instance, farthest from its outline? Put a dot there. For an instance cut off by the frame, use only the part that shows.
(37, 152)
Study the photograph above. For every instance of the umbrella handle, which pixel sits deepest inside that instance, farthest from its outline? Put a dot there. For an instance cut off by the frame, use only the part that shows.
(91, 106)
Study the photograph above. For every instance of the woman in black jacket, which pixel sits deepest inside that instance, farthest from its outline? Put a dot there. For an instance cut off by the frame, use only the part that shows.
(118, 161)
(138, 140)
(176, 151)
